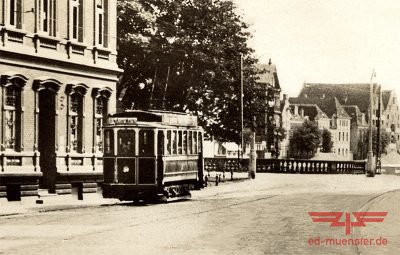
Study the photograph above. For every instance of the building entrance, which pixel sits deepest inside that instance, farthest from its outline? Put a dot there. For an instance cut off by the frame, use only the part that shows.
(47, 142)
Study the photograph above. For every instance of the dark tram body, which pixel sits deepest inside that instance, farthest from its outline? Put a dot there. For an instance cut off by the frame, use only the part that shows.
(152, 154)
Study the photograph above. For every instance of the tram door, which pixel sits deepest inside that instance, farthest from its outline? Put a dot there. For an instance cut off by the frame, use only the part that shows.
(147, 158)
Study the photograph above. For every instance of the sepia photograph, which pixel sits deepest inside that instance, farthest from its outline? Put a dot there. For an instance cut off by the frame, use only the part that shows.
(199, 127)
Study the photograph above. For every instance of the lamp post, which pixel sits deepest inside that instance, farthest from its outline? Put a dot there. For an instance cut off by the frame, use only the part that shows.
(271, 125)
(370, 157)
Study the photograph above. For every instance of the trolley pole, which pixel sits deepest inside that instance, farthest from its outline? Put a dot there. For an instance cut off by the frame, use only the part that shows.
(378, 133)
(241, 104)
(370, 158)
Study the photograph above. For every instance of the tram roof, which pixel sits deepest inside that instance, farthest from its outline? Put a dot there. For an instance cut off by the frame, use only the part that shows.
(156, 116)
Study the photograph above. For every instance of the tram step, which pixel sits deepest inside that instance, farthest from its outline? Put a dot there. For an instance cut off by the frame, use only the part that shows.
(3, 188)
(3, 194)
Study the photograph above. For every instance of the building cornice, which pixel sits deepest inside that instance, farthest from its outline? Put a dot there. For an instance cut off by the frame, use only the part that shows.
(59, 66)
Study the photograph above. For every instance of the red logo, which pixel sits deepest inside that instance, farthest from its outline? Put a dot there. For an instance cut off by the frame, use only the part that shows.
(360, 218)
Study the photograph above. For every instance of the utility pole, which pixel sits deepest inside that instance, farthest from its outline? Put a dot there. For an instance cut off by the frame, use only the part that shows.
(241, 104)
(370, 157)
(378, 133)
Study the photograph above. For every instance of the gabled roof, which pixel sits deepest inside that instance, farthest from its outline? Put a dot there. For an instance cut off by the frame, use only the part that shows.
(329, 106)
(386, 97)
(269, 75)
(356, 115)
(311, 110)
(347, 94)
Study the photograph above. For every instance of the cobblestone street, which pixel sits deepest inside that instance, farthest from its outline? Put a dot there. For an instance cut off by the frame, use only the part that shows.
(268, 215)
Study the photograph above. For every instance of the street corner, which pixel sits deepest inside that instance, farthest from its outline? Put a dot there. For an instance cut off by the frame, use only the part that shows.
(384, 234)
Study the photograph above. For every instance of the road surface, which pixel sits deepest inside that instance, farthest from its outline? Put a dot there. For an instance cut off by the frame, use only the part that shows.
(268, 215)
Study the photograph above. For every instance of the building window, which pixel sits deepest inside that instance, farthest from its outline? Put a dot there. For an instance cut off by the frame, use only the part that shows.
(12, 104)
(76, 20)
(100, 116)
(76, 122)
(102, 22)
(48, 16)
(76, 117)
(15, 13)
(100, 111)
(12, 117)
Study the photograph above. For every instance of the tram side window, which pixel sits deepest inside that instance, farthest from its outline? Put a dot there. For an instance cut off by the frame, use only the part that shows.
(126, 143)
(179, 142)
(184, 146)
(169, 142)
(146, 142)
(190, 137)
(195, 142)
(200, 142)
(108, 142)
(174, 142)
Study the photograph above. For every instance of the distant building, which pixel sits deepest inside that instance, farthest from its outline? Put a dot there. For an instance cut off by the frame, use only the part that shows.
(271, 119)
(58, 79)
(354, 99)
(328, 114)
(391, 115)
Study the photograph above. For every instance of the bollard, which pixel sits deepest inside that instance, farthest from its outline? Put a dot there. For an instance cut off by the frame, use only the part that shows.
(216, 179)
(206, 180)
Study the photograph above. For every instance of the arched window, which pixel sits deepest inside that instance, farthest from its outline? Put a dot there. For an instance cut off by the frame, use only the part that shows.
(100, 111)
(76, 117)
(12, 117)
(76, 122)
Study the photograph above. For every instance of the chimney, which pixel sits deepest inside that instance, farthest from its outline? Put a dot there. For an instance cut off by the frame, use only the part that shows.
(269, 62)
(285, 97)
(296, 109)
(302, 112)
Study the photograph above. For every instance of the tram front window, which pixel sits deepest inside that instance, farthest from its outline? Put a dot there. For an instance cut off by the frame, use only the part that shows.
(126, 143)
(146, 142)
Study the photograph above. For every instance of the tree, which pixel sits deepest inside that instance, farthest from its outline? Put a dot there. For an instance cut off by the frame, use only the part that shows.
(385, 140)
(327, 142)
(184, 55)
(305, 140)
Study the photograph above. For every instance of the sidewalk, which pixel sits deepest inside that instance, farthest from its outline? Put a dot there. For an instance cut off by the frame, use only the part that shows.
(69, 201)
(51, 203)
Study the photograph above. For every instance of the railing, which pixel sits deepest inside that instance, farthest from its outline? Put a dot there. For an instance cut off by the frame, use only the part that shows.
(287, 166)
(225, 164)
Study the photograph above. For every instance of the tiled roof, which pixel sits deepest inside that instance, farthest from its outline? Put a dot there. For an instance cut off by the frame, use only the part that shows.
(347, 94)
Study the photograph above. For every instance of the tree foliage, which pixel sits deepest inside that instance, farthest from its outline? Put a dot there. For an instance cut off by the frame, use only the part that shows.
(327, 142)
(305, 140)
(385, 140)
(184, 55)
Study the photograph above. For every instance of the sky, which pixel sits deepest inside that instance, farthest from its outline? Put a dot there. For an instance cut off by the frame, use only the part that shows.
(326, 41)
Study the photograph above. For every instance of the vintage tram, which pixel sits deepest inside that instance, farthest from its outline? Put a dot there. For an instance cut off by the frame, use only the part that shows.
(152, 155)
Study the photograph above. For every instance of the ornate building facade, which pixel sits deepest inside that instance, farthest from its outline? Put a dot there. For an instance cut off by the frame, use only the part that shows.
(58, 80)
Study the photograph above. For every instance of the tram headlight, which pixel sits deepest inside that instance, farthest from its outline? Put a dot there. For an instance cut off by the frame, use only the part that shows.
(125, 169)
